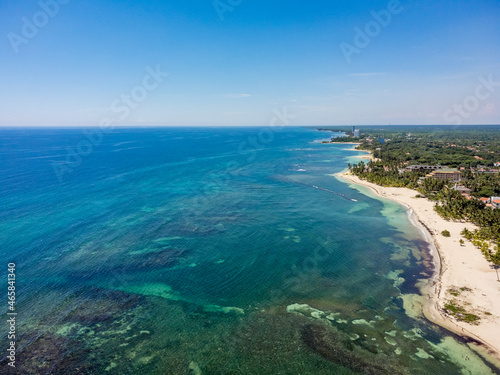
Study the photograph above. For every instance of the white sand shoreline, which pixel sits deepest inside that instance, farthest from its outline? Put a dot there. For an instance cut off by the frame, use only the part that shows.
(455, 267)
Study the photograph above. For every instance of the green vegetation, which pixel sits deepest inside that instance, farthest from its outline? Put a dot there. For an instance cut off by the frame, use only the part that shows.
(383, 175)
(451, 146)
(457, 292)
(446, 233)
(451, 204)
(459, 312)
(490, 249)
(473, 149)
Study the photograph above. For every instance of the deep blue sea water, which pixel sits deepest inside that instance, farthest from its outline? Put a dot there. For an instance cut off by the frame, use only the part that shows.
(209, 251)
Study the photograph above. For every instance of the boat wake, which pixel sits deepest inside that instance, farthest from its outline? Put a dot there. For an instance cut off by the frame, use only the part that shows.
(333, 192)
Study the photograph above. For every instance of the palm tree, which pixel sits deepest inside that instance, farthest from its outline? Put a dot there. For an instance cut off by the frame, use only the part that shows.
(495, 259)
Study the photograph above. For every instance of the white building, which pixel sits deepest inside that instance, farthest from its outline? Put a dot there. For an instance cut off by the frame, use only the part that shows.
(495, 202)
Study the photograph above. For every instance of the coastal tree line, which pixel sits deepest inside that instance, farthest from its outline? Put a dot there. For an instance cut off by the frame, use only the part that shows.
(465, 149)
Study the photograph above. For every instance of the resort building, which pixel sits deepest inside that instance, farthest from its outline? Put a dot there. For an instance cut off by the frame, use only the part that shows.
(485, 200)
(462, 189)
(421, 168)
(495, 202)
(446, 174)
(481, 169)
(492, 202)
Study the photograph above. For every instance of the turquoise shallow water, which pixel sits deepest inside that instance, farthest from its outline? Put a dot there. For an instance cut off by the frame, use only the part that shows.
(210, 251)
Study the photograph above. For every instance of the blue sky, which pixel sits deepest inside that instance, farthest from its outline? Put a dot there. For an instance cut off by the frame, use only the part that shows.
(87, 56)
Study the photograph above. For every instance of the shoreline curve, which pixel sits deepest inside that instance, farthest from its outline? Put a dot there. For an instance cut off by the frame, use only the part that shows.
(451, 267)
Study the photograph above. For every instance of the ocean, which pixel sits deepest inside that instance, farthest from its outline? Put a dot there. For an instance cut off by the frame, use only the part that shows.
(209, 251)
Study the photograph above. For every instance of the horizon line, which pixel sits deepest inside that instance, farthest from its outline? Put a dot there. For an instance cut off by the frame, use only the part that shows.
(233, 126)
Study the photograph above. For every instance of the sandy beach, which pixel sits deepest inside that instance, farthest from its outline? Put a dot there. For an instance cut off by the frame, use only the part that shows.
(456, 267)
(368, 155)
